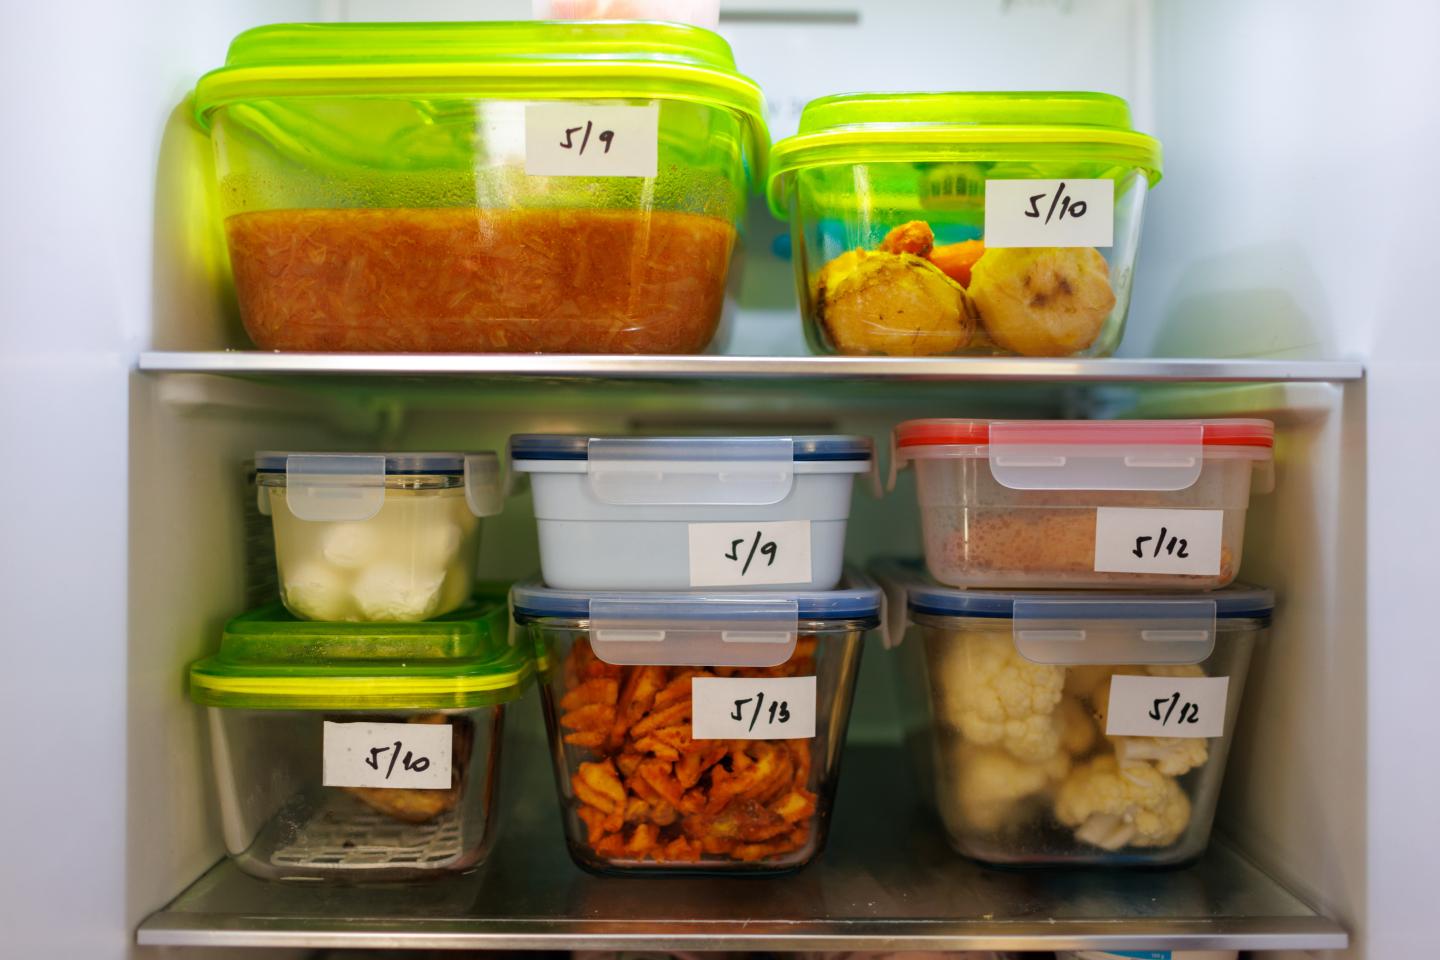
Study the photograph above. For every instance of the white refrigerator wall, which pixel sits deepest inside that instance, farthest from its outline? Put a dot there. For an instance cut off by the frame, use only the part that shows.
(1293, 220)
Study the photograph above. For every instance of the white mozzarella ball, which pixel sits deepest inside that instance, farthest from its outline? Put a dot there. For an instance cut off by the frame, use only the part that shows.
(350, 546)
(316, 591)
(393, 591)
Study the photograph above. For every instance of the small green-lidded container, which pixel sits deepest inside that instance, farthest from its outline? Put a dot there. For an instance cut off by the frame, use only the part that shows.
(360, 751)
(482, 187)
(927, 224)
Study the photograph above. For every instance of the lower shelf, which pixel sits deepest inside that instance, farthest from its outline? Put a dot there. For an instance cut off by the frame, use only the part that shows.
(887, 882)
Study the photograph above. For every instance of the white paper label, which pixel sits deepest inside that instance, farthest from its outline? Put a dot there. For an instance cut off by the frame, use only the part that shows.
(739, 554)
(576, 140)
(411, 756)
(1167, 706)
(734, 708)
(1130, 540)
(1049, 213)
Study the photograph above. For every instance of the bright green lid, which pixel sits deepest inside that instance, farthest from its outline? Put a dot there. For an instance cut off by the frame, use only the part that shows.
(531, 60)
(270, 660)
(924, 127)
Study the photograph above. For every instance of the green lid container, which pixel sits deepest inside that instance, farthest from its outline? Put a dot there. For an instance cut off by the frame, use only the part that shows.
(1035, 128)
(563, 60)
(271, 660)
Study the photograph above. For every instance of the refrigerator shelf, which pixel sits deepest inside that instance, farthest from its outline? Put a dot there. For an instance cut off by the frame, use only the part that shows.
(877, 369)
(885, 883)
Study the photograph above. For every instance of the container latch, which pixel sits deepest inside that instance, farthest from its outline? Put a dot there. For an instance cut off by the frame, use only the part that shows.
(1102, 631)
(335, 486)
(1089, 455)
(744, 471)
(694, 631)
(484, 490)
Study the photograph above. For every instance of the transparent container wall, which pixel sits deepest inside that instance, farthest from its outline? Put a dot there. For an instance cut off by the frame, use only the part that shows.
(373, 224)
(280, 823)
(907, 298)
(1014, 756)
(978, 533)
(638, 794)
(414, 560)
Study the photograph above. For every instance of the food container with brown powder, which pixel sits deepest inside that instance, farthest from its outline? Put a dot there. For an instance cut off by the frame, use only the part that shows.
(1083, 503)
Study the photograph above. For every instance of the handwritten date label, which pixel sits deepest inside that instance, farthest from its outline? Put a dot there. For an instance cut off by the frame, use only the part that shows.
(575, 140)
(1049, 213)
(736, 708)
(1130, 540)
(738, 554)
(1167, 706)
(412, 756)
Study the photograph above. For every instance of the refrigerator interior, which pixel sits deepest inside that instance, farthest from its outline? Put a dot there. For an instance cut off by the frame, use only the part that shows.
(1273, 235)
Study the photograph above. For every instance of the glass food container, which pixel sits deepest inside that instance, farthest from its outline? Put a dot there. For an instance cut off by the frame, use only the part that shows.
(360, 752)
(671, 513)
(1070, 727)
(928, 224)
(697, 732)
(482, 187)
(1086, 503)
(376, 536)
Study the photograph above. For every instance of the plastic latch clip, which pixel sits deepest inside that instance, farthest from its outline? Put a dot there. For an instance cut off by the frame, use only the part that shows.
(697, 631)
(748, 471)
(338, 486)
(1108, 631)
(1085, 455)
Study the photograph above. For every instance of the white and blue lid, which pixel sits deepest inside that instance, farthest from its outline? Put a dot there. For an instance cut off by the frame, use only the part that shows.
(1082, 626)
(332, 487)
(728, 628)
(573, 447)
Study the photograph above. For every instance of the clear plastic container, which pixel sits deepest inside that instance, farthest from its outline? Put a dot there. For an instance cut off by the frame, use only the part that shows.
(361, 536)
(1080, 503)
(482, 187)
(929, 224)
(697, 733)
(360, 752)
(1070, 727)
(657, 513)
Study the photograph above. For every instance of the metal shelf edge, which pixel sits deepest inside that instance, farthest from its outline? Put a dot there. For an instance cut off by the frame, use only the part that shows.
(978, 369)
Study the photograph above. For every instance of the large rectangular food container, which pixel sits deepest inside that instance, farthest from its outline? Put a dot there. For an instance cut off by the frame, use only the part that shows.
(360, 752)
(1070, 727)
(376, 536)
(1081, 503)
(927, 224)
(483, 187)
(672, 513)
(697, 733)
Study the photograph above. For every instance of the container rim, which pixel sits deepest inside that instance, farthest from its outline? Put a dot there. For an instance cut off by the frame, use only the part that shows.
(553, 447)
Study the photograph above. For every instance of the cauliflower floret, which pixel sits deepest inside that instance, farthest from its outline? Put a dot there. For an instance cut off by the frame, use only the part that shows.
(1172, 756)
(986, 786)
(994, 696)
(1111, 806)
(1077, 727)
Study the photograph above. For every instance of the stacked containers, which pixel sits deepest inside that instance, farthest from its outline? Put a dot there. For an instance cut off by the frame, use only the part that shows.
(927, 224)
(702, 642)
(358, 751)
(510, 187)
(1079, 726)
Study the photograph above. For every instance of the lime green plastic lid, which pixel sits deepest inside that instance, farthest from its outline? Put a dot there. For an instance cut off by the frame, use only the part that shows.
(991, 126)
(270, 660)
(529, 60)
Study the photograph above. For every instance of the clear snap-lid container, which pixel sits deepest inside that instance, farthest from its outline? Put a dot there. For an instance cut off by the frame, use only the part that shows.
(928, 224)
(520, 187)
(697, 733)
(359, 751)
(1072, 727)
(679, 513)
(1085, 503)
(377, 536)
